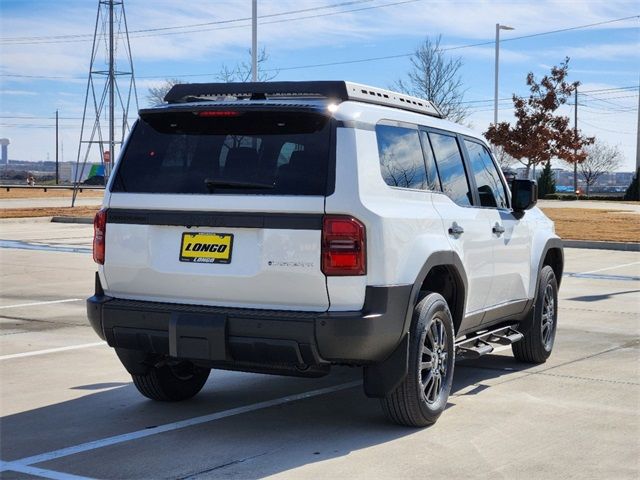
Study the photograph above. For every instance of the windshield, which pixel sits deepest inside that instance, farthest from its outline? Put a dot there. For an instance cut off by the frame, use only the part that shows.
(267, 153)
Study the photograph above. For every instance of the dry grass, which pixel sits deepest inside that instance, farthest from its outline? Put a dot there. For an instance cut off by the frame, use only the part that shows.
(39, 193)
(49, 212)
(600, 225)
(571, 223)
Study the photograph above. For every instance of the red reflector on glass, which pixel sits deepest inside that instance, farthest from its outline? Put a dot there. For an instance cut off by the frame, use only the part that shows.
(218, 113)
(99, 233)
(344, 246)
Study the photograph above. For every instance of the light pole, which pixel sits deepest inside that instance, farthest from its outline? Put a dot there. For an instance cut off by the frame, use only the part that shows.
(495, 92)
(254, 40)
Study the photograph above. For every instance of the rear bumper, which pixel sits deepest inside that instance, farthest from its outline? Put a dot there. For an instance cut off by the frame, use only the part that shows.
(227, 336)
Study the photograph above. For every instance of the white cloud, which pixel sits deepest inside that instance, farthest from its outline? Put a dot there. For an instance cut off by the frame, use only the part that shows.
(19, 92)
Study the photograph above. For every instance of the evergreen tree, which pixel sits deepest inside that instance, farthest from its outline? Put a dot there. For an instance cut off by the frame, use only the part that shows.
(633, 192)
(547, 181)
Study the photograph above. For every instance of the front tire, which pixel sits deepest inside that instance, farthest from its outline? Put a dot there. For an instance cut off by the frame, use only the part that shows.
(171, 382)
(422, 396)
(537, 344)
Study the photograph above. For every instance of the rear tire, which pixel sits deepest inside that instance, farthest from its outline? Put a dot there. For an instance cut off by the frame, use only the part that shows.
(171, 383)
(422, 397)
(537, 344)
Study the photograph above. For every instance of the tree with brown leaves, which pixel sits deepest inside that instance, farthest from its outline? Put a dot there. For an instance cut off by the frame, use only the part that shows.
(540, 134)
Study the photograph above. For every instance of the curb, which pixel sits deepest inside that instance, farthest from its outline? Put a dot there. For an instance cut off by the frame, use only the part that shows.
(622, 246)
(86, 220)
(25, 220)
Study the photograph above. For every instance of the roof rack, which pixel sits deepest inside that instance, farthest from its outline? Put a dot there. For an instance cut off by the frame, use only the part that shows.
(335, 90)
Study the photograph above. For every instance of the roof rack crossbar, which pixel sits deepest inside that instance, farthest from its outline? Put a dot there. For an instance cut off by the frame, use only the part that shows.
(334, 90)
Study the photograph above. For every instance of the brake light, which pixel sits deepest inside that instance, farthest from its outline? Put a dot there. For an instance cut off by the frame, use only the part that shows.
(218, 113)
(344, 246)
(99, 233)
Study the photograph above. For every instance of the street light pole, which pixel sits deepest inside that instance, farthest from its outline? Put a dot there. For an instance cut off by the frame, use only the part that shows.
(254, 40)
(495, 91)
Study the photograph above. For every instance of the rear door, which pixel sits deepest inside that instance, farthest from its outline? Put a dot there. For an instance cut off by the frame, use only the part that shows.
(221, 207)
(468, 228)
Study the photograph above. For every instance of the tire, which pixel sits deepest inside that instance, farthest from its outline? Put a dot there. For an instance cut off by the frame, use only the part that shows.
(422, 397)
(171, 383)
(537, 344)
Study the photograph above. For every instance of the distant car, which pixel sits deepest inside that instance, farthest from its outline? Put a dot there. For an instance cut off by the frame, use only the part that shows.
(300, 225)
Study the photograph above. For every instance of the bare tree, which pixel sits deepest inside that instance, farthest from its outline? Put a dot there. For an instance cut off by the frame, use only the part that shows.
(241, 72)
(155, 95)
(601, 158)
(505, 161)
(435, 76)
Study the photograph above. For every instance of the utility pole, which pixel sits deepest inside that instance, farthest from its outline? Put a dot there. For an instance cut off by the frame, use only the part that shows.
(112, 80)
(495, 84)
(575, 132)
(638, 135)
(254, 40)
(57, 159)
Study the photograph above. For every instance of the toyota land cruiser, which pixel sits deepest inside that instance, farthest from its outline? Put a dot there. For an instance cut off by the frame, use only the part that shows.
(284, 227)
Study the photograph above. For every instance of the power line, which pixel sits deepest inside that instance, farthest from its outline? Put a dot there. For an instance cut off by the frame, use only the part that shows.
(193, 25)
(137, 35)
(502, 101)
(354, 61)
(606, 129)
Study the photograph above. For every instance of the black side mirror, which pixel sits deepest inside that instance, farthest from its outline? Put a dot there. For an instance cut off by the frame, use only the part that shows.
(524, 195)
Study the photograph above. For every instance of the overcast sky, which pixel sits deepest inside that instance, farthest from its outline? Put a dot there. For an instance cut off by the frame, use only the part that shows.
(45, 50)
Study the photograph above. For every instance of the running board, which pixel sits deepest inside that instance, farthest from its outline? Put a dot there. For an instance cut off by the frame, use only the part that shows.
(480, 344)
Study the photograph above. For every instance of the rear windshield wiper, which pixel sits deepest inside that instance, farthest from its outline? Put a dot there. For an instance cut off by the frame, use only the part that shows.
(213, 184)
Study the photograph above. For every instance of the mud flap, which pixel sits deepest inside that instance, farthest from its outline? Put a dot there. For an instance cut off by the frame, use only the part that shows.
(383, 378)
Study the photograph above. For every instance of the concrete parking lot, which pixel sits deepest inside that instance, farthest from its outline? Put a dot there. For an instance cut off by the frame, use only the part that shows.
(68, 409)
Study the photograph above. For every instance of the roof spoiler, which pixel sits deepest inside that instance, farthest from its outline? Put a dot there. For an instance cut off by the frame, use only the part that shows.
(339, 91)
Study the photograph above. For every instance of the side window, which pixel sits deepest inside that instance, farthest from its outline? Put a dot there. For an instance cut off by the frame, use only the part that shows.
(430, 162)
(401, 161)
(451, 168)
(490, 187)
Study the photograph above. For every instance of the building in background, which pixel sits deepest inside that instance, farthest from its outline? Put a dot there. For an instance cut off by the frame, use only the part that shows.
(4, 144)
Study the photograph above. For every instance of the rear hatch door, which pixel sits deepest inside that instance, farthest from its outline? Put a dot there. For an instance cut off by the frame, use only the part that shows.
(221, 206)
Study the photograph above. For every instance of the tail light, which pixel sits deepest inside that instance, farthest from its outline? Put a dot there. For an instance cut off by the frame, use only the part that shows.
(99, 233)
(344, 246)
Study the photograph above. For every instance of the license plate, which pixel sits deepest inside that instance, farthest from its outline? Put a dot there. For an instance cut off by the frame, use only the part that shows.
(206, 247)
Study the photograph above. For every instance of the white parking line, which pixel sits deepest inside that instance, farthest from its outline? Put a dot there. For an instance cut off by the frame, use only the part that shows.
(51, 350)
(35, 304)
(610, 268)
(39, 472)
(147, 432)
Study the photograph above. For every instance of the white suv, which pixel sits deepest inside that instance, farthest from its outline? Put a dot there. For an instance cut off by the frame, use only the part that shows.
(285, 227)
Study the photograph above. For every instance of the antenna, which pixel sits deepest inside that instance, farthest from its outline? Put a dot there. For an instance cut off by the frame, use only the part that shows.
(111, 83)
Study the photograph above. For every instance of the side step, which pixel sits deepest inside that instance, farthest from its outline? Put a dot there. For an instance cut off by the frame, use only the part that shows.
(480, 344)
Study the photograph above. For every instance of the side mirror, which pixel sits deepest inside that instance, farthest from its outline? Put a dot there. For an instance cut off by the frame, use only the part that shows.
(524, 195)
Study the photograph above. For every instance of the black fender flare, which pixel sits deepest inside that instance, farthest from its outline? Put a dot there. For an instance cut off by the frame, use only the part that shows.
(382, 378)
(527, 316)
(552, 243)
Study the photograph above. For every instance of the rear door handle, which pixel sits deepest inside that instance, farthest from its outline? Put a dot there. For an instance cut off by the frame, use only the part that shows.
(498, 229)
(455, 230)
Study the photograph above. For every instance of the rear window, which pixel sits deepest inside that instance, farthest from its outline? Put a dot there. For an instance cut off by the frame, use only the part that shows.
(266, 153)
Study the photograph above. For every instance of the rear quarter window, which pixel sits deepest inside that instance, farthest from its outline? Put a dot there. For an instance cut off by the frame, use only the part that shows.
(401, 159)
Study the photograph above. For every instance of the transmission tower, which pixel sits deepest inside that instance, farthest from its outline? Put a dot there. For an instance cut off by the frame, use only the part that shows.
(111, 88)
